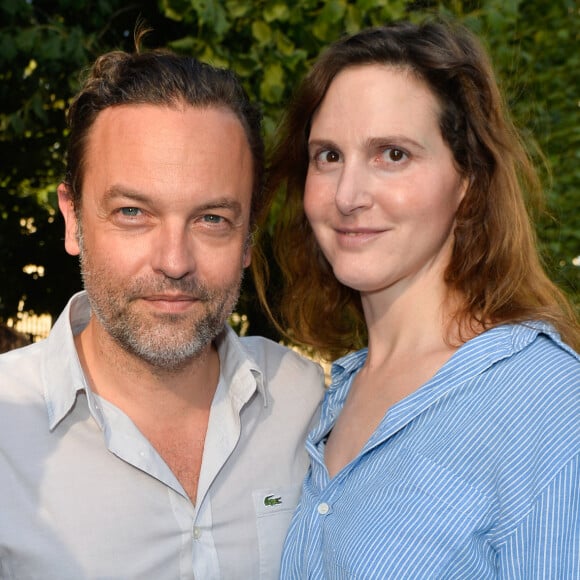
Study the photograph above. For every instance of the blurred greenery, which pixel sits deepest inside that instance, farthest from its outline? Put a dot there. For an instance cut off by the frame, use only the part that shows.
(270, 44)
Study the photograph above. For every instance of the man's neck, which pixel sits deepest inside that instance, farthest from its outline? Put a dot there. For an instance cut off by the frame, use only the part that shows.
(139, 388)
(171, 408)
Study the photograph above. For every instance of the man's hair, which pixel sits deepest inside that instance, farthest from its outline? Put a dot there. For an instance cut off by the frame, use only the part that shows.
(159, 77)
(495, 265)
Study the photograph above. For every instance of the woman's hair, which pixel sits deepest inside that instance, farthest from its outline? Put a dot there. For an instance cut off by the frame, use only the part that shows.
(495, 266)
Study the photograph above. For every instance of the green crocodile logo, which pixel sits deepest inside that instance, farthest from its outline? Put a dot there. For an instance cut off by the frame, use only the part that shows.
(270, 500)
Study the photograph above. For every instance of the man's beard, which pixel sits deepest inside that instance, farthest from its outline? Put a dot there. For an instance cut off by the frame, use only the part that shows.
(167, 341)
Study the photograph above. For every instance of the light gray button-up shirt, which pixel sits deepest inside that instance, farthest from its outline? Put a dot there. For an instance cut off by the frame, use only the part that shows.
(84, 495)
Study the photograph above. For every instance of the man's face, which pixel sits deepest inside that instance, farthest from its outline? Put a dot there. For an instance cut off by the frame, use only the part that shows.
(163, 228)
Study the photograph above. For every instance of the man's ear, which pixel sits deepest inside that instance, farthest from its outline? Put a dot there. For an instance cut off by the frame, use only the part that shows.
(247, 257)
(66, 205)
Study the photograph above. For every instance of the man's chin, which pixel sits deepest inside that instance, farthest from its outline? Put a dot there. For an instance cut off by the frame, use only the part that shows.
(167, 356)
(169, 345)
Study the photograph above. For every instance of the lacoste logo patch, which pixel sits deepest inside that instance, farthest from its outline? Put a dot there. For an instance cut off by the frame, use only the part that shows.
(271, 500)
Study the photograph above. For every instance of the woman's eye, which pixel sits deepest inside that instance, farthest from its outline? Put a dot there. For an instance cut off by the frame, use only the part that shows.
(394, 155)
(328, 156)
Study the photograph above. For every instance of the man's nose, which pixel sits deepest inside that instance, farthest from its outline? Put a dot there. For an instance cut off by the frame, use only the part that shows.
(173, 250)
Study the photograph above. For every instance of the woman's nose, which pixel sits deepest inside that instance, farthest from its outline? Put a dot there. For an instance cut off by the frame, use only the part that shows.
(352, 192)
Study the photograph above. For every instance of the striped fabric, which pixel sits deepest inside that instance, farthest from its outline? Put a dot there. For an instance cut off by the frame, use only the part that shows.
(475, 475)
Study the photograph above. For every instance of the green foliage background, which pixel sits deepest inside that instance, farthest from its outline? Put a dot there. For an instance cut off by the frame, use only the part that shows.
(270, 44)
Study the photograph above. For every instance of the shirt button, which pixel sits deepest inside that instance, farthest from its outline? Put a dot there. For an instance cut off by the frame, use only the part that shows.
(196, 533)
(323, 508)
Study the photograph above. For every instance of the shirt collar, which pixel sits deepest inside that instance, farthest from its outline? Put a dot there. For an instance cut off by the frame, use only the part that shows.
(63, 377)
(504, 340)
(238, 368)
(510, 338)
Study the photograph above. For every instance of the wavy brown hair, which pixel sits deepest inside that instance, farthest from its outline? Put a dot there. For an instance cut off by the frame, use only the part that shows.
(495, 265)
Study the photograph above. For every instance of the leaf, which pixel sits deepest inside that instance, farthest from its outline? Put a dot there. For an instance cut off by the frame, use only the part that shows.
(238, 8)
(272, 85)
(261, 32)
(212, 14)
(8, 48)
(276, 12)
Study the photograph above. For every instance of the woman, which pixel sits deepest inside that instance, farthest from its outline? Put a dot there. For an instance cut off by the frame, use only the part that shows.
(449, 446)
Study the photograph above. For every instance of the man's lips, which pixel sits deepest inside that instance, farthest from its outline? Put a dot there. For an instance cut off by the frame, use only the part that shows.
(171, 297)
(173, 303)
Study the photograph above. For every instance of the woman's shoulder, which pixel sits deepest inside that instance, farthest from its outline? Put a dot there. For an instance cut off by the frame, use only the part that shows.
(539, 351)
(521, 374)
(533, 347)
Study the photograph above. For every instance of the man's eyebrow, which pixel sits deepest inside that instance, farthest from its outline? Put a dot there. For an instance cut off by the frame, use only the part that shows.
(117, 191)
(222, 203)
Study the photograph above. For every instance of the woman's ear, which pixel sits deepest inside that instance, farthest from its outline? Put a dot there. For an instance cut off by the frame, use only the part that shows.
(466, 183)
(66, 205)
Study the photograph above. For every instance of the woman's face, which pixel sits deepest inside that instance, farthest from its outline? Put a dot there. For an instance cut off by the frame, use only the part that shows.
(382, 189)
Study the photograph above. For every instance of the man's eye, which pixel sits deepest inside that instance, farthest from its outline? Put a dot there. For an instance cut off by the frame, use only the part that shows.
(213, 219)
(130, 211)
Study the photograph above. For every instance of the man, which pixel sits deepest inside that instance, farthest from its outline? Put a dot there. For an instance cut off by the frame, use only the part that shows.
(143, 438)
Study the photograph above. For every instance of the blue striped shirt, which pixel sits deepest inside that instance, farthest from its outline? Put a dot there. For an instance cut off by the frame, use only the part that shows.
(475, 475)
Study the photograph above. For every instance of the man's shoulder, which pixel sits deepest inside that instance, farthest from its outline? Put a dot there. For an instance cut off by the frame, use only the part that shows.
(20, 364)
(256, 345)
(265, 351)
(284, 368)
(22, 393)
